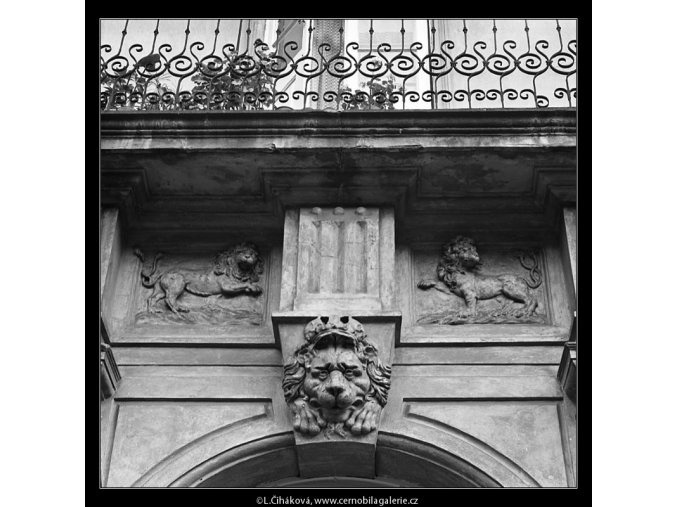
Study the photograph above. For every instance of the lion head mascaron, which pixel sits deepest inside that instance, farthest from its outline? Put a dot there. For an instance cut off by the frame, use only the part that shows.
(335, 380)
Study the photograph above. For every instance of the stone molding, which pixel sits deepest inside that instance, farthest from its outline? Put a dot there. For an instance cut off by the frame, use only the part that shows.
(566, 374)
(109, 372)
(318, 123)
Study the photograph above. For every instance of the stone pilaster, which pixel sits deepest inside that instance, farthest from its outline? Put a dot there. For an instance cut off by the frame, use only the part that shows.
(570, 237)
(337, 305)
(110, 375)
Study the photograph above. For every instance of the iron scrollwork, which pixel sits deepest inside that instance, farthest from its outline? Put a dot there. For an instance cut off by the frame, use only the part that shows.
(256, 77)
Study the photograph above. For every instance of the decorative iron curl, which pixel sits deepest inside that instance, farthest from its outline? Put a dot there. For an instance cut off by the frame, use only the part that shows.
(381, 98)
(212, 67)
(532, 63)
(477, 94)
(540, 100)
(563, 63)
(468, 65)
(445, 96)
(181, 66)
(404, 66)
(371, 66)
(360, 96)
(462, 96)
(493, 94)
(308, 67)
(228, 80)
(413, 96)
(428, 96)
(169, 98)
(500, 65)
(330, 96)
(118, 67)
(281, 97)
(341, 67)
(436, 65)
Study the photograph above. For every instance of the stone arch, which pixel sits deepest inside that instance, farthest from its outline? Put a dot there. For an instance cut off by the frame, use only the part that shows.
(271, 461)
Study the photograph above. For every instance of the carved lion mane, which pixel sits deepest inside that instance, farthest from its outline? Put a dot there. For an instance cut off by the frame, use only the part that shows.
(458, 256)
(379, 374)
(458, 269)
(227, 263)
(335, 379)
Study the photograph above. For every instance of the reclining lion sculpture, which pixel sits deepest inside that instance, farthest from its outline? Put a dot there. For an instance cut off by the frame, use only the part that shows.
(234, 272)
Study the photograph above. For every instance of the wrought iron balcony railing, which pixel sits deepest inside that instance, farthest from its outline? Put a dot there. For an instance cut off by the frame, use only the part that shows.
(337, 64)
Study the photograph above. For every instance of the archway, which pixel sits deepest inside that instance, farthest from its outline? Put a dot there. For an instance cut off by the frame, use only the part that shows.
(272, 462)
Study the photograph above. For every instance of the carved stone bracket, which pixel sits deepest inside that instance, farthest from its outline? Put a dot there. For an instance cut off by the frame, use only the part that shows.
(339, 263)
(336, 383)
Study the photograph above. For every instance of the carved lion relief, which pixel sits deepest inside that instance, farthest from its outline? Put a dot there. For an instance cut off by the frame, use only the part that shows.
(458, 275)
(335, 380)
(234, 272)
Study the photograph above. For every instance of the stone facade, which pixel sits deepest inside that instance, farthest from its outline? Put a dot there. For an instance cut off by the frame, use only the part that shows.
(381, 297)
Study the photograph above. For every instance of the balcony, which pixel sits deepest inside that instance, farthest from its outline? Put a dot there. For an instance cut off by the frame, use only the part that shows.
(336, 65)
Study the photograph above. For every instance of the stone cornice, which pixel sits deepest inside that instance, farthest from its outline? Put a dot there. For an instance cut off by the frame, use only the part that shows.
(332, 123)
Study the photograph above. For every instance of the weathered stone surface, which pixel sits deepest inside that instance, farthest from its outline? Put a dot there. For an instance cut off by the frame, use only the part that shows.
(110, 243)
(241, 318)
(165, 426)
(343, 257)
(502, 419)
(420, 262)
(488, 355)
(156, 356)
(216, 407)
(268, 162)
(111, 254)
(336, 384)
(110, 374)
(200, 401)
(571, 238)
(234, 272)
(459, 274)
(567, 370)
(534, 445)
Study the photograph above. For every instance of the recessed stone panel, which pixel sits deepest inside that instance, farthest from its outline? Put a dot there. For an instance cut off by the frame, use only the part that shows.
(213, 292)
(523, 434)
(517, 289)
(147, 432)
(203, 297)
(440, 308)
